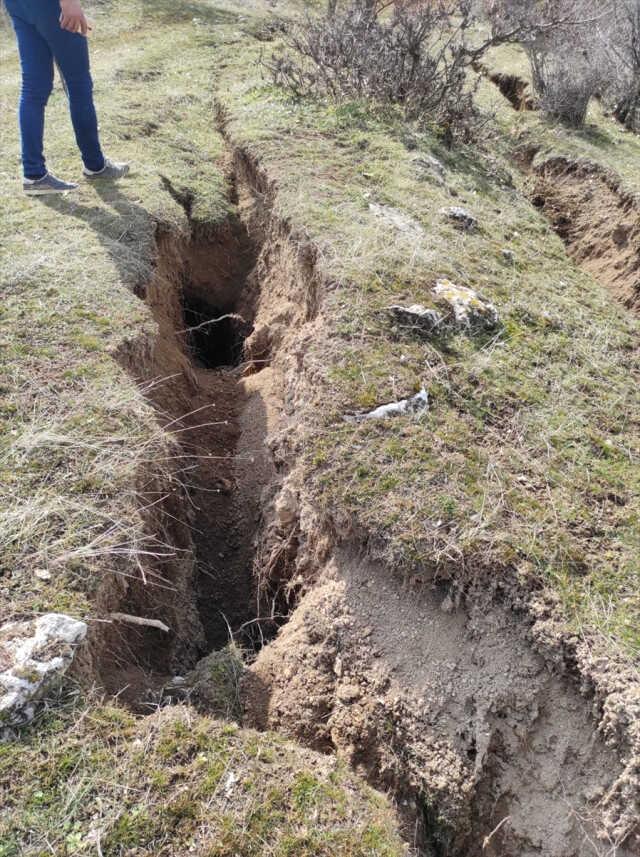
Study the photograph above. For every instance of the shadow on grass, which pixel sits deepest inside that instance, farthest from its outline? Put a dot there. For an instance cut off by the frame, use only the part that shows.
(589, 133)
(124, 228)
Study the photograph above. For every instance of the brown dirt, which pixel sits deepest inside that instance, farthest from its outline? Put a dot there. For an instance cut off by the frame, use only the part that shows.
(448, 702)
(598, 221)
(514, 89)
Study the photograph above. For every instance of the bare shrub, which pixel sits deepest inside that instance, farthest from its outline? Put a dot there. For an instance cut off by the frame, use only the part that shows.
(566, 75)
(621, 43)
(417, 58)
(560, 39)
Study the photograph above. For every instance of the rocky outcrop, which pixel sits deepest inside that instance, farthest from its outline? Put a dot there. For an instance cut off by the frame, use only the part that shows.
(33, 656)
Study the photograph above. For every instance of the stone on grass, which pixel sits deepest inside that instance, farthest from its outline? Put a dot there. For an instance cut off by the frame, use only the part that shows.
(398, 220)
(509, 256)
(417, 316)
(428, 165)
(33, 656)
(413, 406)
(466, 307)
(461, 216)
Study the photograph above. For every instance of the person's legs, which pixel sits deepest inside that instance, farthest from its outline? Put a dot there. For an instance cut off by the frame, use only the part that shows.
(37, 82)
(71, 53)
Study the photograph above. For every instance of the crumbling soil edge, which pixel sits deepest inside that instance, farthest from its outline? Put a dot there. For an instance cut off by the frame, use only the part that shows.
(598, 220)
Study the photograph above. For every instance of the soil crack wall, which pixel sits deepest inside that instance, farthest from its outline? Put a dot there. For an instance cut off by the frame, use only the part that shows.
(598, 221)
(229, 302)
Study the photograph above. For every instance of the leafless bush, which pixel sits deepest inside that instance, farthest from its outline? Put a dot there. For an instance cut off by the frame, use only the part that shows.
(560, 38)
(417, 57)
(620, 40)
(566, 75)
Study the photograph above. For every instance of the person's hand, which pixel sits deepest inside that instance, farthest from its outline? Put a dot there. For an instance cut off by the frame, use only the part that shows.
(72, 17)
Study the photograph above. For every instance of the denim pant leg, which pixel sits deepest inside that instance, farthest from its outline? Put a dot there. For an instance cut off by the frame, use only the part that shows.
(71, 53)
(36, 61)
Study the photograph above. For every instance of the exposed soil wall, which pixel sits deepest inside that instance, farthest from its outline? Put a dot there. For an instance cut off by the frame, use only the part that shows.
(448, 702)
(598, 221)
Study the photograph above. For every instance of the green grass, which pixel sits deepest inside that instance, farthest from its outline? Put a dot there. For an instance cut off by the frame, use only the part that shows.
(93, 779)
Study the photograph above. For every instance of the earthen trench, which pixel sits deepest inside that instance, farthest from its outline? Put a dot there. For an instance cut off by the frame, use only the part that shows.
(596, 218)
(227, 302)
(208, 375)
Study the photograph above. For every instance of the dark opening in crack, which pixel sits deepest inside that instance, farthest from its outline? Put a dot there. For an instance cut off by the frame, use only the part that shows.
(215, 334)
(515, 90)
(212, 398)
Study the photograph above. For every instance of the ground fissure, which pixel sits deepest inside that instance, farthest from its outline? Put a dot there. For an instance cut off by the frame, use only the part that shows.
(598, 221)
(357, 692)
(201, 373)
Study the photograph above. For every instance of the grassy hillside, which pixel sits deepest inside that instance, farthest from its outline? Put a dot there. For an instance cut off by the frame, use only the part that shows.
(525, 467)
(525, 460)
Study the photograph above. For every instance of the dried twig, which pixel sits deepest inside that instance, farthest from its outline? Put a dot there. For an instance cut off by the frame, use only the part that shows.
(139, 620)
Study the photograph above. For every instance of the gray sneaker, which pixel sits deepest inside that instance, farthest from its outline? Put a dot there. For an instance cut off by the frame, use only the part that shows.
(46, 185)
(111, 170)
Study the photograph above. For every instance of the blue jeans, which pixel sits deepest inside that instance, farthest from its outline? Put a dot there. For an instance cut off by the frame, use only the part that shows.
(41, 41)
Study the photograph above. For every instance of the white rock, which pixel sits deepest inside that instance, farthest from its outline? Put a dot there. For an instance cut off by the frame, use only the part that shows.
(415, 405)
(230, 782)
(428, 162)
(467, 307)
(33, 654)
(398, 220)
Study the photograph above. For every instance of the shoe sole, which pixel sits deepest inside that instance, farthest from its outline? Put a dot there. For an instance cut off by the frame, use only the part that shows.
(100, 177)
(49, 191)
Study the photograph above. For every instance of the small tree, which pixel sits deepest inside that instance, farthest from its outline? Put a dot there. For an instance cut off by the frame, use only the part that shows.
(416, 56)
(559, 38)
(566, 74)
(622, 44)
